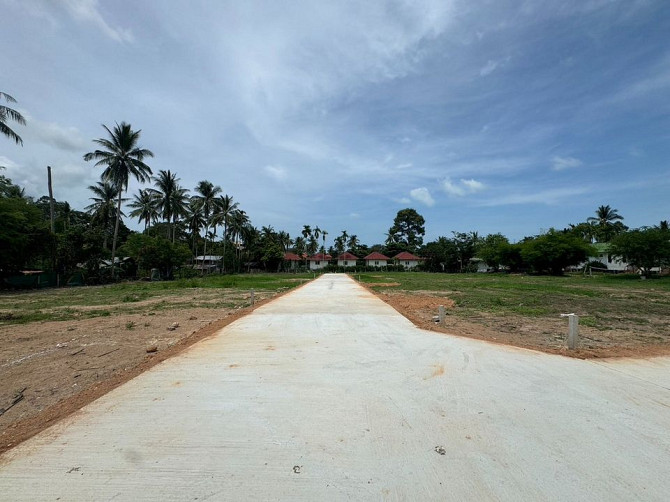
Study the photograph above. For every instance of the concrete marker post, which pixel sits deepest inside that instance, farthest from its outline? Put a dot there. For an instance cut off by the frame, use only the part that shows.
(573, 330)
(440, 313)
(252, 296)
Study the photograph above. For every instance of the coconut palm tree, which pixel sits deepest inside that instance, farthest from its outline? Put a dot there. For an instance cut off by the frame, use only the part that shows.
(324, 233)
(122, 159)
(7, 113)
(145, 208)
(207, 201)
(608, 222)
(353, 243)
(195, 221)
(166, 184)
(222, 215)
(102, 209)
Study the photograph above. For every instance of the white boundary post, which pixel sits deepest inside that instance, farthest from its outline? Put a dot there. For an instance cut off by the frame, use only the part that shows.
(573, 330)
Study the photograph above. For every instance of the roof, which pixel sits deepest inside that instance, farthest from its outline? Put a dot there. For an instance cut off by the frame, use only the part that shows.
(209, 257)
(320, 257)
(407, 256)
(602, 247)
(291, 257)
(376, 256)
(347, 256)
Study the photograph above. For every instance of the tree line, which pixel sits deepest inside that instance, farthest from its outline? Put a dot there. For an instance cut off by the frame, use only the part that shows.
(181, 224)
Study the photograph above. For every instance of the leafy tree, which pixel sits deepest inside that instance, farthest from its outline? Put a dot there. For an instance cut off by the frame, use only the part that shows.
(466, 245)
(644, 248)
(553, 251)
(9, 189)
(408, 228)
(6, 114)
(122, 159)
(156, 252)
(440, 256)
(491, 250)
(23, 233)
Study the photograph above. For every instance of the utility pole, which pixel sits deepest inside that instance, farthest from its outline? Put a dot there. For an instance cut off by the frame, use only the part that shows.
(51, 200)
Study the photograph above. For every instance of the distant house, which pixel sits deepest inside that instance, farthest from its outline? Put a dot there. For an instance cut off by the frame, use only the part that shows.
(376, 259)
(479, 265)
(318, 261)
(407, 260)
(613, 264)
(208, 263)
(292, 260)
(346, 260)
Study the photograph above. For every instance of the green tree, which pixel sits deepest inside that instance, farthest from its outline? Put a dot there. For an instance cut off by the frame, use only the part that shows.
(608, 223)
(122, 159)
(7, 114)
(103, 209)
(156, 252)
(24, 234)
(144, 207)
(644, 248)
(554, 251)
(207, 201)
(408, 228)
(171, 199)
(223, 212)
(491, 250)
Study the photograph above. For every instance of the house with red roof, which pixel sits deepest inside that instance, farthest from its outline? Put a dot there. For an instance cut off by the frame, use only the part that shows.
(346, 260)
(319, 261)
(407, 260)
(292, 261)
(376, 259)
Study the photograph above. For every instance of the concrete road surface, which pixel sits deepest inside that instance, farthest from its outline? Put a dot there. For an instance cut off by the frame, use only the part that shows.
(329, 394)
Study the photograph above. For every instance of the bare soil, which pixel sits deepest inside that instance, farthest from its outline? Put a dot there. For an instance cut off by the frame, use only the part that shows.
(50, 369)
(628, 339)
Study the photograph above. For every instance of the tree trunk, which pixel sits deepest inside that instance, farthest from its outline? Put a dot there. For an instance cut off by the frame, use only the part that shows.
(116, 233)
(225, 231)
(51, 200)
(204, 253)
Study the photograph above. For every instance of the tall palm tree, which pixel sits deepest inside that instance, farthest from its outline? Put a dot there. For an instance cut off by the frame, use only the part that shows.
(145, 208)
(166, 184)
(324, 233)
(222, 216)
(353, 242)
(239, 221)
(608, 222)
(7, 113)
(102, 209)
(195, 221)
(207, 200)
(285, 240)
(122, 158)
(306, 231)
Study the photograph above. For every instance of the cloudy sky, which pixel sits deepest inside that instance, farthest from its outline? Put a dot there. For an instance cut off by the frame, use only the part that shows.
(488, 115)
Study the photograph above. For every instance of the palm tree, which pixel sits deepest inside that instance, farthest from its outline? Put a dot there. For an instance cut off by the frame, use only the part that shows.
(166, 184)
(323, 235)
(306, 231)
(207, 197)
(608, 222)
(353, 243)
(145, 208)
(122, 158)
(222, 215)
(195, 221)
(285, 240)
(391, 237)
(102, 209)
(7, 113)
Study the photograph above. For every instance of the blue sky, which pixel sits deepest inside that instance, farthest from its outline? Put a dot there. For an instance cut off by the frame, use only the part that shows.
(510, 116)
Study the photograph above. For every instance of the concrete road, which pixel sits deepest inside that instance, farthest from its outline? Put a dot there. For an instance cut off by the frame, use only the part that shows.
(328, 394)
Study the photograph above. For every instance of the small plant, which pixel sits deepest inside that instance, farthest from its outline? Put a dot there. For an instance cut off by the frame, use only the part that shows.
(130, 325)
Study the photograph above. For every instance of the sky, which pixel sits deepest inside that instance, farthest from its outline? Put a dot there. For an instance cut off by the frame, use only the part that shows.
(483, 115)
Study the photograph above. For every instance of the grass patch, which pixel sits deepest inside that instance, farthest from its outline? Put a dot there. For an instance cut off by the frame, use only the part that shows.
(600, 300)
(124, 298)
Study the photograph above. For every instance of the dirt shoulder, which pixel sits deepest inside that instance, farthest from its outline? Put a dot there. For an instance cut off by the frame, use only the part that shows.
(51, 369)
(537, 333)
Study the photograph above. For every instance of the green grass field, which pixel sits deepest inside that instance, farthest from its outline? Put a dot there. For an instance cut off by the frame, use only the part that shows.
(602, 301)
(134, 297)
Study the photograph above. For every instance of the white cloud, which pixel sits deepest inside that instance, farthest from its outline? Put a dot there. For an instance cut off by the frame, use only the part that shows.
(404, 166)
(276, 172)
(62, 137)
(488, 68)
(462, 187)
(88, 11)
(562, 163)
(532, 196)
(403, 200)
(354, 215)
(423, 196)
(473, 185)
(7, 162)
